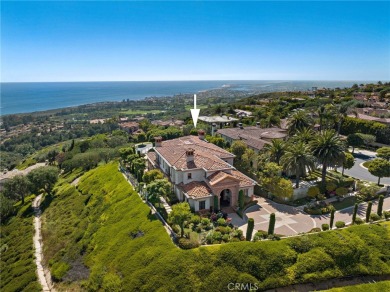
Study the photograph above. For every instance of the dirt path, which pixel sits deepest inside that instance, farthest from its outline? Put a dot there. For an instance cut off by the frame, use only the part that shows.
(44, 276)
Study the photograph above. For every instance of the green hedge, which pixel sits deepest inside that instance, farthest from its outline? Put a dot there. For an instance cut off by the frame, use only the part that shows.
(112, 212)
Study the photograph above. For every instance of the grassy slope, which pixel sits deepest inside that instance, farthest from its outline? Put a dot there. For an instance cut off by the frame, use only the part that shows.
(371, 287)
(17, 253)
(98, 219)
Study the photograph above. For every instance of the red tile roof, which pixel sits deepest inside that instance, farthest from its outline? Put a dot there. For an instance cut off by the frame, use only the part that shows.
(207, 155)
(196, 189)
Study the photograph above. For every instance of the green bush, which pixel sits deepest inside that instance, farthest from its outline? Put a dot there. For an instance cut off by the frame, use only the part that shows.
(330, 186)
(325, 226)
(58, 270)
(249, 229)
(221, 222)
(374, 217)
(259, 235)
(359, 221)
(315, 229)
(195, 219)
(341, 192)
(386, 214)
(340, 224)
(186, 243)
(205, 221)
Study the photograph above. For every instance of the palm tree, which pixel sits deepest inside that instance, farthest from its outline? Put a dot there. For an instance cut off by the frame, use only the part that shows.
(340, 116)
(328, 149)
(298, 121)
(305, 135)
(275, 150)
(297, 159)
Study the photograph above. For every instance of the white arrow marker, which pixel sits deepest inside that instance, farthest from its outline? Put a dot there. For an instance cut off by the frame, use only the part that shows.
(195, 112)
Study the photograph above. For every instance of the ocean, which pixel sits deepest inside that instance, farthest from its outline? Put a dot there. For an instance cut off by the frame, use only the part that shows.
(28, 97)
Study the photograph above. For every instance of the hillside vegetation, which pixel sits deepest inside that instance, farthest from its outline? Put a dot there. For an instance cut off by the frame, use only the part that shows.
(17, 254)
(100, 235)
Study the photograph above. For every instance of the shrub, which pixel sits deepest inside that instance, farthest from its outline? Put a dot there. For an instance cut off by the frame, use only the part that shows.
(341, 192)
(259, 235)
(186, 243)
(330, 186)
(325, 227)
(58, 270)
(358, 221)
(340, 224)
(315, 229)
(225, 238)
(375, 217)
(217, 236)
(195, 219)
(386, 214)
(313, 191)
(205, 221)
(221, 222)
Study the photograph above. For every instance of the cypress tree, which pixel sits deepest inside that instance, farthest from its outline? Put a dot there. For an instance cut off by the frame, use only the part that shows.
(331, 219)
(368, 213)
(241, 200)
(271, 226)
(380, 205)
(216, 204)
(354, 213)
(249, 230)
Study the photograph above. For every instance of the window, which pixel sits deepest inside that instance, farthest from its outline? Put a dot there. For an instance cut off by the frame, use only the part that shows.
(202, 205)
(189, 175)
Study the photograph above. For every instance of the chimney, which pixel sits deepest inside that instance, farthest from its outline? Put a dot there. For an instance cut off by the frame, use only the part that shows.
(157, 141)
(240, 125)
(257, 124)
(190, 154)
(201, 134)
(213, 129)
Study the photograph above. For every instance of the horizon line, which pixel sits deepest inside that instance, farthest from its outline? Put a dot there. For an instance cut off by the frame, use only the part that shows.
(198, 80)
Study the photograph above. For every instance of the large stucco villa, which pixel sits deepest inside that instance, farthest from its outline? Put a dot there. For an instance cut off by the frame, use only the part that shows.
(202, 173)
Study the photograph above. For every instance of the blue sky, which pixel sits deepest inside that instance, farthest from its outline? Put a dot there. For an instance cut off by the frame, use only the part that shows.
(104, 41)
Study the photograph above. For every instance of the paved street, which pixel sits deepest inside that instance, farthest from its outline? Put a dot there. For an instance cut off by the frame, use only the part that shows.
(360, 172)
(291, 221)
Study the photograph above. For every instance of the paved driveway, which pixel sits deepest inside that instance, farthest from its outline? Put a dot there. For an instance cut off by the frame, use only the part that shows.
(291, 221)
(360, 172)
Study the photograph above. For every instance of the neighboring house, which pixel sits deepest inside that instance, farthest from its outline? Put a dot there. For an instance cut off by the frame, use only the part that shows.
(129, 127)
(242, 113)
(169, 123)
(218, 120)
(202, 173)
(254, 137)
(97, 121)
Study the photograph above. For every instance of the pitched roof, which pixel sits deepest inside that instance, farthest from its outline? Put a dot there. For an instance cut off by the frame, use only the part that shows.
(254, 137)
(244, 180)
(196, 189)
(206, 155)
(219, 176)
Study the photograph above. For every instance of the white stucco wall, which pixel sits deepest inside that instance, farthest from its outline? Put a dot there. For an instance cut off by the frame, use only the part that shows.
(196, 175)
(195, 203)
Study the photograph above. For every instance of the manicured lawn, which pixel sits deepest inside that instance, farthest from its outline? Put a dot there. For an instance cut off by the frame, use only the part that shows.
(347, 202)
(140, 112)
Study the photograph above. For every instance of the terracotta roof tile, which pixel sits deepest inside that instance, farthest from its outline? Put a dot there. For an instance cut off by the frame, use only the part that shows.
(206, 155)
(196, 189)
